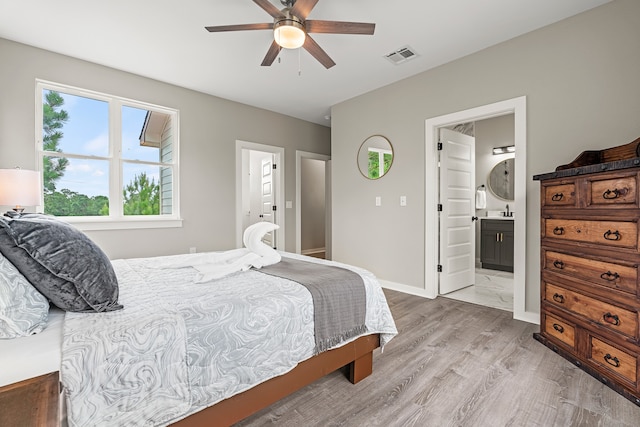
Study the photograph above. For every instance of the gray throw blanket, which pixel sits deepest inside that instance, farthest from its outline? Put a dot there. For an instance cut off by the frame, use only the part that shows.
(339, 299)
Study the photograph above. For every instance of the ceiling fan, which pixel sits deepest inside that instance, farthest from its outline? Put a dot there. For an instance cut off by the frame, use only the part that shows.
(291, 29)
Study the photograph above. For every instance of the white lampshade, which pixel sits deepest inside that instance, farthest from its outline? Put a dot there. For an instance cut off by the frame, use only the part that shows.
(19, 187)
(289, 34)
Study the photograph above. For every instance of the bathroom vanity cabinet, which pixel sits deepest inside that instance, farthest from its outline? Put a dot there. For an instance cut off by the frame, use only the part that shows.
(496, 244)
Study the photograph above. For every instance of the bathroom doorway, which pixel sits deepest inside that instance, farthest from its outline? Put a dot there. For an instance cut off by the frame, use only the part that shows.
(492, 210)
(517, 107)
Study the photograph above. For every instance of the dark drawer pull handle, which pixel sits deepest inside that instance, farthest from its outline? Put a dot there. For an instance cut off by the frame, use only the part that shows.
(558, 264)
(557, 197)
(614, 194)
(558, 328)
(611, 318)
(612, 235)
(558, 298)
(610, 276)
(611, 360)
(558, 231)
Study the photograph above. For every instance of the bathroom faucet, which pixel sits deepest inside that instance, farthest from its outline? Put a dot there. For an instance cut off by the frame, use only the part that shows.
(507, 213)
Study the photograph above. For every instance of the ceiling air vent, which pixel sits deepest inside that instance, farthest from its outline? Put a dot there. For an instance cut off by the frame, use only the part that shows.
(401, 55)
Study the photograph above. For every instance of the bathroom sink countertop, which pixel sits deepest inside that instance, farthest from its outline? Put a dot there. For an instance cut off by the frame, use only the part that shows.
(507, 218)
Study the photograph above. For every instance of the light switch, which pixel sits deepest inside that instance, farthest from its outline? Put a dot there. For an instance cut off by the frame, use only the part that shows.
(378, 201)
(288, 204)
(403, 200)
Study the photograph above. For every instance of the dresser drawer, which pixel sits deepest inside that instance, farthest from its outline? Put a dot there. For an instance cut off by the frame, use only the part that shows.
(563, 195)
(610, 275)
(623, 234)
(612, 317)
(613, 359)
(612, 192)
(560, 329)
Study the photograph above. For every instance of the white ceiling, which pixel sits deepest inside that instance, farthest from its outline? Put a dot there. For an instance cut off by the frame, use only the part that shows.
(166, 40)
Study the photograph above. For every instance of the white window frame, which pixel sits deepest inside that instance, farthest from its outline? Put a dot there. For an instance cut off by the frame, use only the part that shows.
(381, 152)
(116, 218)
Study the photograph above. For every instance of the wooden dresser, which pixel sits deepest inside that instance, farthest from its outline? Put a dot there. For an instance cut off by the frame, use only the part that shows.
(590, 253)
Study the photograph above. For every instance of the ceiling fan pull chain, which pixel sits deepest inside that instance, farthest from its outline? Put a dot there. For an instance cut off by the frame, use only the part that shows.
(299, 66)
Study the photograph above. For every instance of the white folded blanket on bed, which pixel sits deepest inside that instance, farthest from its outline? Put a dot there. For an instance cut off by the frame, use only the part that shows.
(215, 265)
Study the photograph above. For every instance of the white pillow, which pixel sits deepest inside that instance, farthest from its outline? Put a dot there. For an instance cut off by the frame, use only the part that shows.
(23, 310)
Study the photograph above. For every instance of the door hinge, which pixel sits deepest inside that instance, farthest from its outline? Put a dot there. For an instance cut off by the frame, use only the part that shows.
(273, 208)
(439, 207)
(439, 268)
(275, 166)
(439, 146)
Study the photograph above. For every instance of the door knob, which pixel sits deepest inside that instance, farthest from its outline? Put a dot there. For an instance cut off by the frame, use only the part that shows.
(474, 218)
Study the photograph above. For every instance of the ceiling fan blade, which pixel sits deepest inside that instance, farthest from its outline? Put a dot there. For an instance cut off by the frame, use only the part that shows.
(268, 7)
(302, 8)
(339, 27)
(240, 27)
(272, 54)
(316, 51)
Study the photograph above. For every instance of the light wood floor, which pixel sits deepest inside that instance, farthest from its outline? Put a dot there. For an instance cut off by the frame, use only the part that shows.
(456, 364)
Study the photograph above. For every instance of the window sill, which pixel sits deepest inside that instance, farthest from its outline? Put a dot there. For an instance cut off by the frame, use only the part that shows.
(92, 224)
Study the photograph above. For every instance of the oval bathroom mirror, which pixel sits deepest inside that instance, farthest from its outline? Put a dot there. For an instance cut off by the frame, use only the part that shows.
(375, 157)
(501, 179)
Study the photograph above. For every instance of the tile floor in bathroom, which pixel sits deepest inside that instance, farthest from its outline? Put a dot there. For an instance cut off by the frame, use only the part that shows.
(492, 288)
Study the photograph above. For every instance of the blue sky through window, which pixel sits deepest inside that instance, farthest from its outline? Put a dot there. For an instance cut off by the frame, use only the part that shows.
(87, 133)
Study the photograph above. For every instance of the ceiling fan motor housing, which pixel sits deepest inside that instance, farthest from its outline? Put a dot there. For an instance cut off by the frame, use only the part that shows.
(288, 30)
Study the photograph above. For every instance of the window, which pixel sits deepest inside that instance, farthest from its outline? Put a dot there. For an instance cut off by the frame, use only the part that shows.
(106, 159)
(379, 162)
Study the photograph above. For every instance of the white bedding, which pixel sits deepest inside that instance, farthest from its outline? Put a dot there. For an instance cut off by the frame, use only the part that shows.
(179, 346)
(32, 356)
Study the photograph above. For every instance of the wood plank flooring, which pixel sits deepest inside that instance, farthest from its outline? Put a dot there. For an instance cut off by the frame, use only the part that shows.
(456, 364)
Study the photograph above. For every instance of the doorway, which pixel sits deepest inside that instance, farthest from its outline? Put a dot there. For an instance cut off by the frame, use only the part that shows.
(313, 204)
(517, 107)
(260, 190)
(483, 190)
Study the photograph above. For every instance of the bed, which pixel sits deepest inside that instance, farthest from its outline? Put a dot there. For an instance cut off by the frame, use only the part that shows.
(189, 341)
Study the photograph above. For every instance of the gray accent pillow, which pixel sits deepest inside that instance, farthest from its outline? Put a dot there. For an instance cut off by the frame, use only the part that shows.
(23, 310)
(61, 262)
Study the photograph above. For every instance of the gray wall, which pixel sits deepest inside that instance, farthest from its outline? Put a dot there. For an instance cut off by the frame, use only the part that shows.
(490, 133)
(209, 127)
(580, 77)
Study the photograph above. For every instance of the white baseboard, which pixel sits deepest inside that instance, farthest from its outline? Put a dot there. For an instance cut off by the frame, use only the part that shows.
(411, 290)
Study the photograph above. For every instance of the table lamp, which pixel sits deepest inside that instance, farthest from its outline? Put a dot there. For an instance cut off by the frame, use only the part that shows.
(19, 188)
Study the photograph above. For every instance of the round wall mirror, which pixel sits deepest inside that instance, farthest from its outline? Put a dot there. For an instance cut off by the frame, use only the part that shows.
(501, 179)
(375, 157)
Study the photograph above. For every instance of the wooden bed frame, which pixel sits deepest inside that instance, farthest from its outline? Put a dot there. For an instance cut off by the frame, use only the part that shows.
(358, 355)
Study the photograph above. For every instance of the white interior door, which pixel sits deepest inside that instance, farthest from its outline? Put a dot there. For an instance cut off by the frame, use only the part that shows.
(457, 197)
(267, 198)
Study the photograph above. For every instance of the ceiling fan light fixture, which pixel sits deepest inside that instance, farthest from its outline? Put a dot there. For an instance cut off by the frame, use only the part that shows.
(289, 33)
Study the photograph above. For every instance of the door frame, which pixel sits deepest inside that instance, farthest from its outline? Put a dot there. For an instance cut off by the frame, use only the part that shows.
(279, 187)
(517, 107)
(299, 156)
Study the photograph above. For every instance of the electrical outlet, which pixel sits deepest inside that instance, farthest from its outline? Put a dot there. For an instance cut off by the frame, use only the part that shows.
(192, 250)
(403, 200)
(378, 201)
